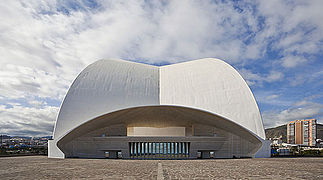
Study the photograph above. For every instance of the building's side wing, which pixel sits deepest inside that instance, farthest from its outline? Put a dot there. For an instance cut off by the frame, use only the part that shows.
(106, 86)
(211, 85)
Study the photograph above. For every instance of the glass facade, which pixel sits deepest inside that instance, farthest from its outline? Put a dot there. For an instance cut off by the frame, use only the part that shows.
(159, 150)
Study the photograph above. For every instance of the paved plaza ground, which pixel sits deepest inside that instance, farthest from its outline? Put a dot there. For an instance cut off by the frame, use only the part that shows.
(40, 167)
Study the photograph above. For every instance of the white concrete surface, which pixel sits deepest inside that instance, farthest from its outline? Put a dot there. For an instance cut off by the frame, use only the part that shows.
(110, 85)
(265, 150)
(214, 86)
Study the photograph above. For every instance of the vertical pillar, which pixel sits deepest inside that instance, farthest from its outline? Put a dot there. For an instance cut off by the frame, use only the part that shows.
(188, 149)
(177, 149)
(159, 150)
(152, 149)
(131, 149)
(140, 149)
(183, 149)
(167, 150)
(162, 150)
(145, 149)
(173, 149)
(135, 149)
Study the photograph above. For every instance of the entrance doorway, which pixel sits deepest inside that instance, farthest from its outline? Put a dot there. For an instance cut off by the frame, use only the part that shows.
(159, 150)
(113, 154)
(205, 154)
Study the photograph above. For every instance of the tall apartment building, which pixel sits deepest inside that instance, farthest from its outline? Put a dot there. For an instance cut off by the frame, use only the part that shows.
(302, 132)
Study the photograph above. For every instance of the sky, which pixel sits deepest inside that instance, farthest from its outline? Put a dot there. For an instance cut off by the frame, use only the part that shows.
(275, 45)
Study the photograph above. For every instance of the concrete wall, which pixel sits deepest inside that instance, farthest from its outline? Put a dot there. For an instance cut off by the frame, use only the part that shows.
(224, 147)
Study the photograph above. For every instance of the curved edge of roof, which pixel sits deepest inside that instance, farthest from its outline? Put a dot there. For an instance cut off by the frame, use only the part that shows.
(252, 94)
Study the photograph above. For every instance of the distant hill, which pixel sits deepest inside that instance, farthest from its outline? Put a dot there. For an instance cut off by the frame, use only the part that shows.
(319, 131)
(277, 132)
(282, 131)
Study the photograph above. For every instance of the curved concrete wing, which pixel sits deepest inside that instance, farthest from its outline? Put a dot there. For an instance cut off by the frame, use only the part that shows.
(211, 85)
(106, 86)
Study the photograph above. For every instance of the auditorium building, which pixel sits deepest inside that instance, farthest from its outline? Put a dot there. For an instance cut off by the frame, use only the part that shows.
(196, 109)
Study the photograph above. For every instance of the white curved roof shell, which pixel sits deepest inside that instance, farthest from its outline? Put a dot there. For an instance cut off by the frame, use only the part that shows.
(206, 84)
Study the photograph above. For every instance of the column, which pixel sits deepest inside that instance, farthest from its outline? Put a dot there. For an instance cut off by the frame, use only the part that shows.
(183, 152)
(153, 150)
(158, 154)
(162, 150)
(177, 150)
(150, 150)
(188, 149)
(145, 149)
(140, 149)
(180, 150)
(172, 150)
(134, 149)
(131, 149)
(167, 150)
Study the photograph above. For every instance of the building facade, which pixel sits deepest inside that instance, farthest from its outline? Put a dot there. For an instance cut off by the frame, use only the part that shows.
(196, 109)
(302, 132)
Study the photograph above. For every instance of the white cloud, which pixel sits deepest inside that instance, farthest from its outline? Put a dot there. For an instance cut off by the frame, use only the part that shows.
(254, 79)
(21, 82)
(292, 61)
(274, 76)
(301, 110)
(273, 96)
(45, 44)
(23, 121)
